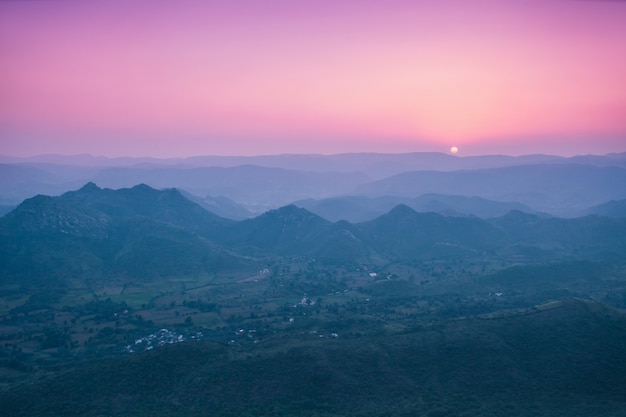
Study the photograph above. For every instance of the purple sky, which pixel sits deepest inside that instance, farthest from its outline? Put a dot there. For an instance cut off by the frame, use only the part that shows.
(187, 77)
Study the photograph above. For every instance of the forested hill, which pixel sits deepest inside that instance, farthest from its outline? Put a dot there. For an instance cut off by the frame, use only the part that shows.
(103, 231)
(563, 359)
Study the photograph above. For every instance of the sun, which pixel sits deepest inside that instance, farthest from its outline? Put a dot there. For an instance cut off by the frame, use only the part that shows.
(454, 150)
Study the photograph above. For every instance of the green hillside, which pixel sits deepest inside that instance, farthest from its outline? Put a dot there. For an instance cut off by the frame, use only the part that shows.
(563, 359)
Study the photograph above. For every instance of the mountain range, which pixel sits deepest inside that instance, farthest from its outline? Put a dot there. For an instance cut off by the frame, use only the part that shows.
(357, 209)
(161, 232)
(537, 183)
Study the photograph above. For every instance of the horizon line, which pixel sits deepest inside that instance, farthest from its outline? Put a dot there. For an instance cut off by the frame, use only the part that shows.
(316, 154)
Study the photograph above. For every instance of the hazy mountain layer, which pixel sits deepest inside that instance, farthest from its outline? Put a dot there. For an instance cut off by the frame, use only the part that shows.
(543, 183)
(357, 209)
(610, 208)
(377, 165)
(561, 189)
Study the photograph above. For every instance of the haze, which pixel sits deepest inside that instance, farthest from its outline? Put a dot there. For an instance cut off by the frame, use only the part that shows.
(175, 79)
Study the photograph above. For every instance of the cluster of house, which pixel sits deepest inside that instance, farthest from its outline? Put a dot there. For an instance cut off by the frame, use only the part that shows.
(250, 335)
(161, 338)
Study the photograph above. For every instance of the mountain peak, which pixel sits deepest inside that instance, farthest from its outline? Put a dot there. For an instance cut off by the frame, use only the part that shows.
(402, 209)
(90, 187)
(290, 209)
(142, 187)
(288, 228)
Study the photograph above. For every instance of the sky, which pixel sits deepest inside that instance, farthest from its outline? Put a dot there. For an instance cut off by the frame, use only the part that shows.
(247, 77)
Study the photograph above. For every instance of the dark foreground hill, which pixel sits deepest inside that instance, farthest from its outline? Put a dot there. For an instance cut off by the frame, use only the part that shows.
(561, 359)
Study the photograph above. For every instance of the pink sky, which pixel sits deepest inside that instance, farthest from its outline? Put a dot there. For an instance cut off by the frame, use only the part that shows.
(182, 78)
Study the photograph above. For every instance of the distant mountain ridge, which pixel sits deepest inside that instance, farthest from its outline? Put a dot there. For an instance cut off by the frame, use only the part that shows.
(560, 189)
(610, 208)
(246, 186)
(375, 164)
(358, 209)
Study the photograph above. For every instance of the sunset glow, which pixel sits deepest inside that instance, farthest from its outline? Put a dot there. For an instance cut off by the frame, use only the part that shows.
(164, 78)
